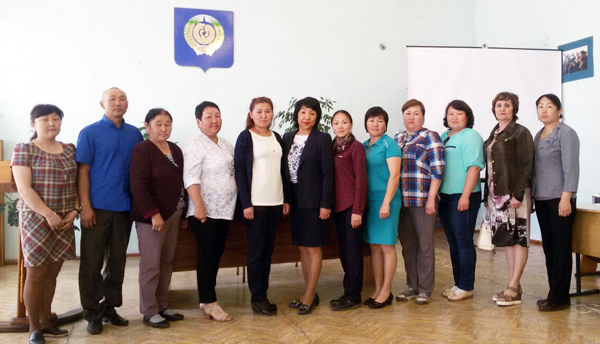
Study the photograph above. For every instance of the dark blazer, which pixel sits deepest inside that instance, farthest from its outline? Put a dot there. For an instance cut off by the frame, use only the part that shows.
(512, 160)
(315, 172)
(244, 160)
(155, 182)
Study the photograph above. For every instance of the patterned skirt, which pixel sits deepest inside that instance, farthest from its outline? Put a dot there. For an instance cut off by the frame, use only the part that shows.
(510, 226)
(40, 244)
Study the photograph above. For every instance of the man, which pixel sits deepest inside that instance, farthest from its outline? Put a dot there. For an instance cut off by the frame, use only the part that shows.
(103, 154)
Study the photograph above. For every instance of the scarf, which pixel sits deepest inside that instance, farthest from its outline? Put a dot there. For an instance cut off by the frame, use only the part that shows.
(340, 144)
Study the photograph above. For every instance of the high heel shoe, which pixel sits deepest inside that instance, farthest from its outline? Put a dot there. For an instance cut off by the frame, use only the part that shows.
(377, 305)
(298, 302)
(215, 312)
(304, 309)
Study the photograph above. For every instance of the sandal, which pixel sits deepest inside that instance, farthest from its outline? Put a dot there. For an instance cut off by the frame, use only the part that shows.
(508, 300)
(215, 312)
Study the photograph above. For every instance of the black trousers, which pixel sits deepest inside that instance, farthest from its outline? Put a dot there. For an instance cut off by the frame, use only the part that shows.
(101, 291)
(350, 244)
(210, 240)
(557, 236)
(261, 241)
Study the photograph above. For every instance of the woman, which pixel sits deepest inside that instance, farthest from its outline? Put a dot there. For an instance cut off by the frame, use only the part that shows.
(509, 161)
(460, 195)
(45, 173)
(350, 200)
(420, 179)
(156, 175)
(210, 183)
(260, 173)
(554, 189)
(383, 177)
(310, 165)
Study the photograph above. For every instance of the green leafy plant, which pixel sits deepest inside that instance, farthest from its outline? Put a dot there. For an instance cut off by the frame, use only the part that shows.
(286, 118)
(12, 214)
(144, 132)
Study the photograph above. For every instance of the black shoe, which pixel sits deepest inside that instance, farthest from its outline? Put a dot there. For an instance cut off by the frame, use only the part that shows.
(542, 302)
(95, 326)
(335, 301)
(344, 304)
(377, 305)
(369, 301)
(161, 324)
(36, 337)
(553, 307)
(304, 309)
(54, 331)
(264, 307)
(115, 319)
(172, 317)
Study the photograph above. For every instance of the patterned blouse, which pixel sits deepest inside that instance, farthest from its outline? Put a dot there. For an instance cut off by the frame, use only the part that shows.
(53, 176)
(210, 165)
(294, 156)
(423, 160)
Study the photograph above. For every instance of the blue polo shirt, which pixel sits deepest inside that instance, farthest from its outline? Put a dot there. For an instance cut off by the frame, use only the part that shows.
(107, 148)
(378, 172)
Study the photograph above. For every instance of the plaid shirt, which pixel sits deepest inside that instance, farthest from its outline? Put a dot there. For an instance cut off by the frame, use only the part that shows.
(422, 159)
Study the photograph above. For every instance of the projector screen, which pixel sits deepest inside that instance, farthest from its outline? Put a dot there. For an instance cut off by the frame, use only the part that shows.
(438, 75)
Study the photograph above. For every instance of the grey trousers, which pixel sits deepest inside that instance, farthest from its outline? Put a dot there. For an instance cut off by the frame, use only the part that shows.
(157, 249)
(415, 232)
(103, 245)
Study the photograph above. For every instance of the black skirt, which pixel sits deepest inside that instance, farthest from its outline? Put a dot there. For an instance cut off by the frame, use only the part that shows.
(307, 228)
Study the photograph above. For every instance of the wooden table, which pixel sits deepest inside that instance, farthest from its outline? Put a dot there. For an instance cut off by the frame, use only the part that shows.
(236, 248)
(586, 241)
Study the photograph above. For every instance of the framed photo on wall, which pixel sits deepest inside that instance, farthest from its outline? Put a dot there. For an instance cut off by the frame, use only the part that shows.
(577, 59)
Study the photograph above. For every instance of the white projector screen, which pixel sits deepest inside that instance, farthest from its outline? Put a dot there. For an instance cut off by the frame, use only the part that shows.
(438, 75)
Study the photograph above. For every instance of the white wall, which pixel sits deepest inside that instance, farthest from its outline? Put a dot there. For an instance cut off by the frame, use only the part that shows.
(546, 25)
(67, 52)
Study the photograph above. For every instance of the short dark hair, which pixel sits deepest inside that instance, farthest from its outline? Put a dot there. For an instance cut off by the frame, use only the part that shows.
(343, 112)
(200, 108)
(155, 112)
(258, 100)
(553, 98)
(460, 106)
(377, 111)
(413, 102)
(42, 110)
(514, 99)
(308, 102)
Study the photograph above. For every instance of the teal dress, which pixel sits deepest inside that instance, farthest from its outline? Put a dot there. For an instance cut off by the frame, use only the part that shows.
(381, 231)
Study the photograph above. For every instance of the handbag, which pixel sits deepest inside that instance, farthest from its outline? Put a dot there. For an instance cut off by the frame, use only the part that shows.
(484, 241)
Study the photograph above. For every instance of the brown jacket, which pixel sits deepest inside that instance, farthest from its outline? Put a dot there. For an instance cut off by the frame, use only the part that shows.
(155, 182)
(512, 160)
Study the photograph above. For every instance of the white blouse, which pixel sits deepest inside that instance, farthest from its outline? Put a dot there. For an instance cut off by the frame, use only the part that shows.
(294, 156)
(210, 165)
(267, 187)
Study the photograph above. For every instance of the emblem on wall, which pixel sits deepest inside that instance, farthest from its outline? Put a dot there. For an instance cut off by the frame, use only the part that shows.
(203, 38)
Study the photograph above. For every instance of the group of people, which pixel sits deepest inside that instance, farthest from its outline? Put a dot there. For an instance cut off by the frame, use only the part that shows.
(378, 191)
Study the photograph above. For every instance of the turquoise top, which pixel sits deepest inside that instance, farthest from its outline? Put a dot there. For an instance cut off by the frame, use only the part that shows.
(463, 150)
(378, 172)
